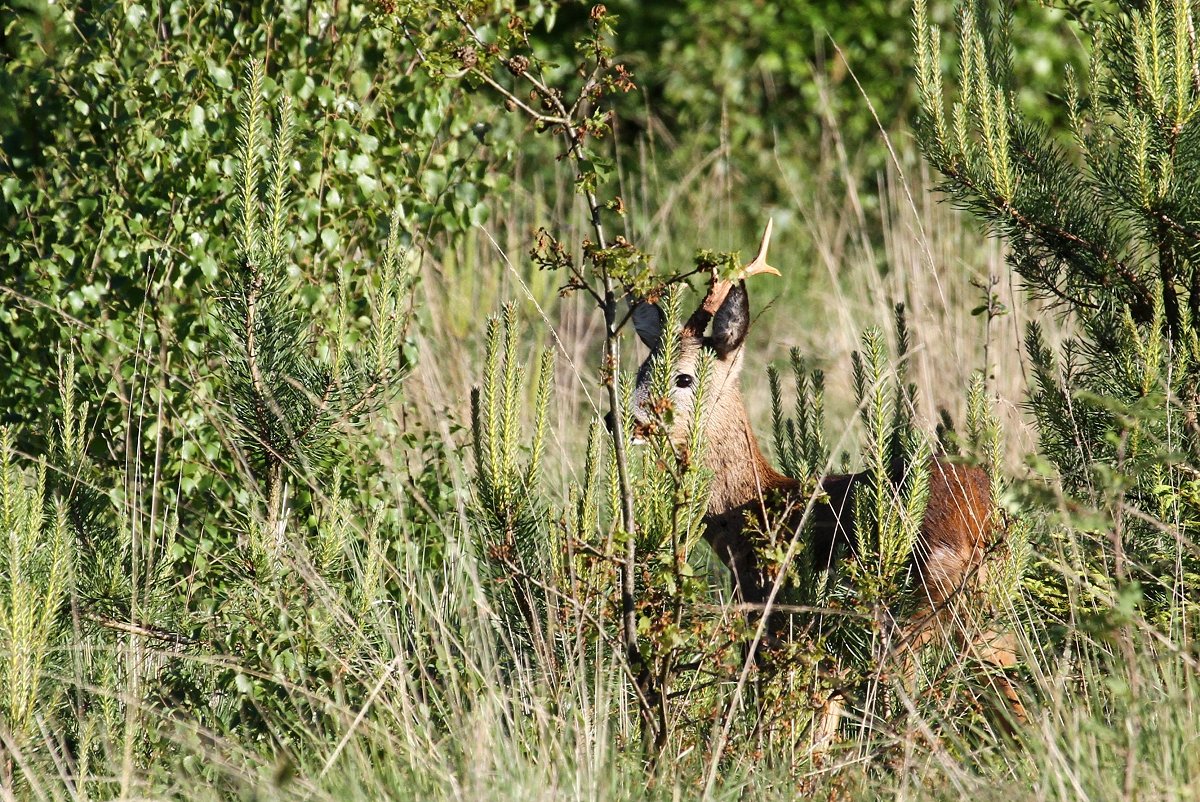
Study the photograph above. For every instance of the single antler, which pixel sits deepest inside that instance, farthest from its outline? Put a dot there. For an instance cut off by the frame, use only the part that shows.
(718, 289)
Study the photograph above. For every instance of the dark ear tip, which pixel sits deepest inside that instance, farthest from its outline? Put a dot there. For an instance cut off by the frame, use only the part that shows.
(648, 321)
(732, 320)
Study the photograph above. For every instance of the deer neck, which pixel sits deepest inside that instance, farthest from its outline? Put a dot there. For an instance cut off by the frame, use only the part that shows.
(741, 474)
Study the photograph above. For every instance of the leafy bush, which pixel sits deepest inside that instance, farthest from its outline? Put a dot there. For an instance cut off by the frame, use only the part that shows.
(117, 161)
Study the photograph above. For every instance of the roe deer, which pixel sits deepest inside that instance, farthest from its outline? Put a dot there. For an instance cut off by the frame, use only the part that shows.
(956, 529)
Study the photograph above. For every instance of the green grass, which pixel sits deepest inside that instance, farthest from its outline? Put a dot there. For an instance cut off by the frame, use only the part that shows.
(388, 672)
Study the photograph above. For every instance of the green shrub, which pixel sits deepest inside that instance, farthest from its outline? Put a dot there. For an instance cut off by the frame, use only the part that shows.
(117, 163)
(35, 582)
(1103, 231)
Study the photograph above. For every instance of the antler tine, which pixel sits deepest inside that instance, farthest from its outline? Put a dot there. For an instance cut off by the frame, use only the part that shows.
(759, 265)
(718, 289)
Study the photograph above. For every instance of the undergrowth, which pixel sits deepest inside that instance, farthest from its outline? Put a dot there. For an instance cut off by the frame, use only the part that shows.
(385, 546)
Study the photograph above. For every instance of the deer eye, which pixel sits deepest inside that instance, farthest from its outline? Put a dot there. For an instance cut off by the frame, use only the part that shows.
(684, 381)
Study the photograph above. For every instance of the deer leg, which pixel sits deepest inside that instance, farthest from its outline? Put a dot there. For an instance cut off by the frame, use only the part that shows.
(913, 638)
(999, 650)
(826, 722)
(993, 649)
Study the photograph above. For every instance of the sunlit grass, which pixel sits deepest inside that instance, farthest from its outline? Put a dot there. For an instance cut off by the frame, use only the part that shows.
(433, 698)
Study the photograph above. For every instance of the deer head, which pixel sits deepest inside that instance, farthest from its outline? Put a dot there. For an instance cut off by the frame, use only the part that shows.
(727, 307)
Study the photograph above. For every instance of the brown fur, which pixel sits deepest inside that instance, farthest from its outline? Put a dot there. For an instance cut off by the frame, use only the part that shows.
(954, 533)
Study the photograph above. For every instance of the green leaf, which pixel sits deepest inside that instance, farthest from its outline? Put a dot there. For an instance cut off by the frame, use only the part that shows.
(135, 15)
(64, 251)
(220, 76)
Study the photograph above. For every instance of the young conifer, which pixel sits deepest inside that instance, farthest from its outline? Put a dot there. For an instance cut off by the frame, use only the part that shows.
(1100, 220)
(516, 543)
(35, 574)
(290, 384)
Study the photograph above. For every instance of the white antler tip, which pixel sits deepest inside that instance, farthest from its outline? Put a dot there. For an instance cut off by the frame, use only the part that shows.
(759, 265)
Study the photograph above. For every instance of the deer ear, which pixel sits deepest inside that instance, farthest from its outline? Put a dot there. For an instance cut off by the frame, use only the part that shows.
(648, 321)
(732, 321)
